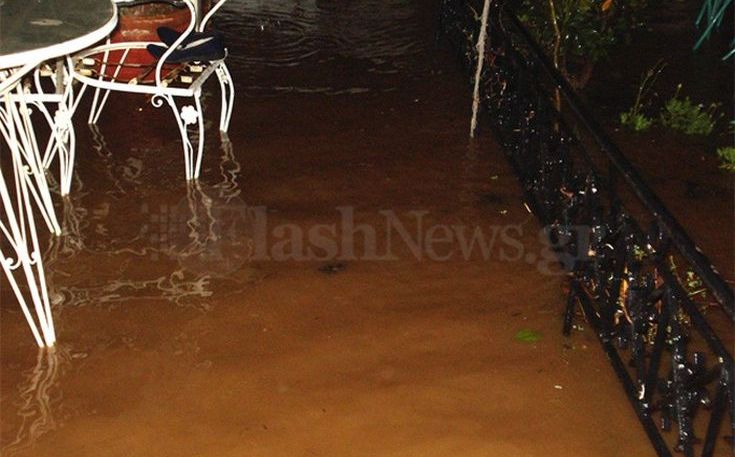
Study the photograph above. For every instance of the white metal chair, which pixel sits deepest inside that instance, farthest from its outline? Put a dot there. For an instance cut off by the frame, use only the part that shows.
(100, 67)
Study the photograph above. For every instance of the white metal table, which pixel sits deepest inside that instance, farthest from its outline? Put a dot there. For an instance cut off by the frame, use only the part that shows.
(32, 32)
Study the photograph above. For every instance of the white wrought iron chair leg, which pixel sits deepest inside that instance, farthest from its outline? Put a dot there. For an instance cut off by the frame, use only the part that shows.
(66, 163)
(61, 142)
(51, 146)
(187, 116)
(98, 103)
(43, 204)
(223, 96)
(23, 139)
(77, 96)
(93, 115)
(20, 233)
(8, 133)
(65, 138)
(100, 106)
(6, 263)
(200, 136)
(227, 89)
(29, 259)
(96, 108)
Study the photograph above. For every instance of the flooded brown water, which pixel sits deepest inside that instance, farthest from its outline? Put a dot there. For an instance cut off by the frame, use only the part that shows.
(215, 321)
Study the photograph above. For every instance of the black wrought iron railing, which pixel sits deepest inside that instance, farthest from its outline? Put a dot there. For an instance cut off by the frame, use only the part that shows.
(625, 252)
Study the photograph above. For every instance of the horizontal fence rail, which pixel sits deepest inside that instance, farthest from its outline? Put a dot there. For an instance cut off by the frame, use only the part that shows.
(632, 265)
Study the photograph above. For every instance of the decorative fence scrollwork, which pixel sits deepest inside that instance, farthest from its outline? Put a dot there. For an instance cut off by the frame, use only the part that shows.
(631, 264)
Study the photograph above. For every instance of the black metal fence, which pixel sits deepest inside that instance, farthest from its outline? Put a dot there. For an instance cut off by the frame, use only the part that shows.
(625, 252)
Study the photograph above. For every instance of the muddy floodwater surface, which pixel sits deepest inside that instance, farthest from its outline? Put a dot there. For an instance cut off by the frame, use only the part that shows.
(318, 292)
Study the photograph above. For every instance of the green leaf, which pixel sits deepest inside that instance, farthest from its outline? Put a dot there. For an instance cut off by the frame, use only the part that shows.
(527, 336)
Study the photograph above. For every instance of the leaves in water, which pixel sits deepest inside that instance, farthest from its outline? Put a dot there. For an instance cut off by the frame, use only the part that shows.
(527, 336)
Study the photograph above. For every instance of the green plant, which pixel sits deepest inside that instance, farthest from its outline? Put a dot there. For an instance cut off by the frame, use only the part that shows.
(638, 122)
(686, 116)
(727, 156)
(578, 33)
(635, 118)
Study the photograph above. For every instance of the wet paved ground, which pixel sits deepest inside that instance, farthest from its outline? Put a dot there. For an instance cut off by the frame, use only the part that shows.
(238, 318)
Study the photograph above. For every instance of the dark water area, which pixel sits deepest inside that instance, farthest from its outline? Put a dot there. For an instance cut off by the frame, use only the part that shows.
(188, 327)
(327, 47)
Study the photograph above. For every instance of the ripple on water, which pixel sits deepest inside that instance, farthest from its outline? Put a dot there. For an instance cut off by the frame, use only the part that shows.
(39, 403)
(147, 244)
(300, 45)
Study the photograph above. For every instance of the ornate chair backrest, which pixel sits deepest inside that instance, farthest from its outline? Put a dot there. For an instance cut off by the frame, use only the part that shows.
(195, 22)
(189, 28)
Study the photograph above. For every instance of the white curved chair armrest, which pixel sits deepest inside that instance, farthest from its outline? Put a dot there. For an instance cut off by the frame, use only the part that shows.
(209, 14)
(177, 43)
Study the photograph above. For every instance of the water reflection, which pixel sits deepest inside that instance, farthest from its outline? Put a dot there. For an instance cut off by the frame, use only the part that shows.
(285, 42)
(120, 178)
(64, 247)
(39, 399)
(469, 166)
(205, 235)
(229, 168)
(74, 221)
(218, 239)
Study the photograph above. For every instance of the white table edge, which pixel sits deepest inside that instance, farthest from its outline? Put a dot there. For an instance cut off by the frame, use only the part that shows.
(59, 49)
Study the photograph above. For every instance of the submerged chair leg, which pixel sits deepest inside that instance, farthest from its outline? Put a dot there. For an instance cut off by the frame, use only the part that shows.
(66, 160)
(200, 134)
(19, 234)
(189, 115)
(228, 96)
(98, 102)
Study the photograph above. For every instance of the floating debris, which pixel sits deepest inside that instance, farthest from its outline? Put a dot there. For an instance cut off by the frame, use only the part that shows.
(332, 268)
(527, 336)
